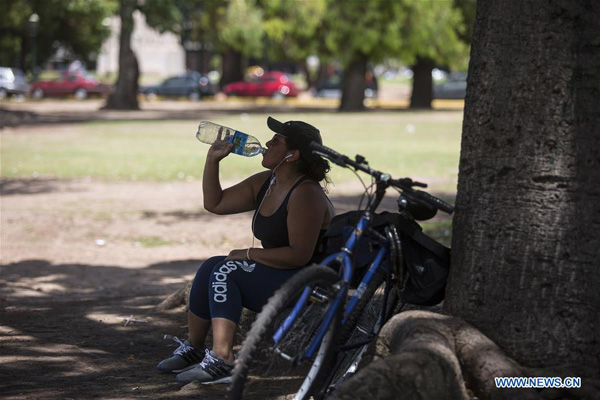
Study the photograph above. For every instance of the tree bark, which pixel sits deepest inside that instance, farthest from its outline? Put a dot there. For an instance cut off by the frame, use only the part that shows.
(424, 355)
(422, 84)
(125, 94)
(354, 85)
(526, 234)
(233, 67)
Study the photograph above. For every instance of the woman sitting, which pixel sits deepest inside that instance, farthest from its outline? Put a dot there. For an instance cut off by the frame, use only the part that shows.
(291, 215)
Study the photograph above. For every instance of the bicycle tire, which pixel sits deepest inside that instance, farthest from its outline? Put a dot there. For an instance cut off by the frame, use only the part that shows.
(252, 355)
(356, 329)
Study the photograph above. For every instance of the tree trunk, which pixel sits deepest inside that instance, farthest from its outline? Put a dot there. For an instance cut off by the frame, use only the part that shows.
(422, 84)
(233, 67)
(526, 236)
(322, 73)
(310, 78)
(125, 94)
(354, 85)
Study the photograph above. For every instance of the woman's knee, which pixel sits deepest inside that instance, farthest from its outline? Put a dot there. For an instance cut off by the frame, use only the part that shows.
(198, 300)
(203, 273)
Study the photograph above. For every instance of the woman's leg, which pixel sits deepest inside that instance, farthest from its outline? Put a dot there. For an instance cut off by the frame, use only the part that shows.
(233, 285)
(199, 309)
(225, 308)
(223, 337)
(198, 329)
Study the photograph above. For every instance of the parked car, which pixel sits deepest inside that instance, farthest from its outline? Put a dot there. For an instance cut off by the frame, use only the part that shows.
(454, 88)
(270, 84)
(12, 82)
(192, 85)
(80, 85)
(331, 88)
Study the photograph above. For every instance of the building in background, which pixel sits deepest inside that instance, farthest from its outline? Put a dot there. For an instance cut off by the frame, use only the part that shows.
(158, 54)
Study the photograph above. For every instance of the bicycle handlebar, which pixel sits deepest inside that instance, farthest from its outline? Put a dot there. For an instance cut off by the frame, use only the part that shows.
(404, 184)
(437, 202)
(342, 160)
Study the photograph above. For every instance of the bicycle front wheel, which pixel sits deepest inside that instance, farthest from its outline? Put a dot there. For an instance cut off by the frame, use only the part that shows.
(359, 331)
(266, 369)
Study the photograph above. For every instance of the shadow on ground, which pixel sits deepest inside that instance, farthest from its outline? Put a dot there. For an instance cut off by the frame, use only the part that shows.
(12, 118)
(63, 333)
(32, 186)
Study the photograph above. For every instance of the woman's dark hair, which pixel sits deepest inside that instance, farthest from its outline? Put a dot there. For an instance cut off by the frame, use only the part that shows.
(315, 167)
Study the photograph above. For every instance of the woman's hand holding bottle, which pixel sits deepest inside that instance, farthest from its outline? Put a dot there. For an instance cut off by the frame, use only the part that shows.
(220, 147)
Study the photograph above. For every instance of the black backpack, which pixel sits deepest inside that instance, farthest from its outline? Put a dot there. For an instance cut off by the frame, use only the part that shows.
(426, 261)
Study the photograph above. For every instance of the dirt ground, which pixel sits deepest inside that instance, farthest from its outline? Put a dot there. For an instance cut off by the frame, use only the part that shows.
(84, 263)
(78, 258)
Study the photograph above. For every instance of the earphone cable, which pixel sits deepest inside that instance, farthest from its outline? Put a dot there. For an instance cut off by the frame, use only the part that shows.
(272, 181)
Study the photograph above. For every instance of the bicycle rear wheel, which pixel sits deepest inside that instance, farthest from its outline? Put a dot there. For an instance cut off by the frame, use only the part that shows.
(265, 370)
(357, 333)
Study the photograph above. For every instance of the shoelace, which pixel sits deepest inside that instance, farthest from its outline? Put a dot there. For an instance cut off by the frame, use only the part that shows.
(208, 359)
(183, 348)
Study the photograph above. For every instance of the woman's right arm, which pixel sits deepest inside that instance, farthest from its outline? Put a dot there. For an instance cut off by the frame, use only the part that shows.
(236, 199)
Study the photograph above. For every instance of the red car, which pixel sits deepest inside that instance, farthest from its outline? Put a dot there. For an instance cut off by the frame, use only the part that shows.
(270, 84)
(79, 85)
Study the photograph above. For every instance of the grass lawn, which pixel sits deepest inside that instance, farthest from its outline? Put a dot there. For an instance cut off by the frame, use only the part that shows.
(422, 145)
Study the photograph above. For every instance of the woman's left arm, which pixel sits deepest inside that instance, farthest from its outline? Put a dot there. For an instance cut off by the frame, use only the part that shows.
(307, 209)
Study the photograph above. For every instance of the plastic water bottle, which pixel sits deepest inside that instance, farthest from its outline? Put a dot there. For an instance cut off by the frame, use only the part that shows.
(243, 144)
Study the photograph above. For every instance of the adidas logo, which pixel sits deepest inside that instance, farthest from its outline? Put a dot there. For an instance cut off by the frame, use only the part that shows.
(245, 266)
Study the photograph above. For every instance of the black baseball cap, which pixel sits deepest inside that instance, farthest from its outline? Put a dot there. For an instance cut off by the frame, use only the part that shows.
(299, 134)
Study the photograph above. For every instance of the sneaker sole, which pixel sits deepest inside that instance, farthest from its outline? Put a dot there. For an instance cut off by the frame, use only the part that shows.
(226, 379)
(177, 371)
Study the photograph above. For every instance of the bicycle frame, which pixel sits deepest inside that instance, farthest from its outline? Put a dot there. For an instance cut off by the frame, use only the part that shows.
(344, 259)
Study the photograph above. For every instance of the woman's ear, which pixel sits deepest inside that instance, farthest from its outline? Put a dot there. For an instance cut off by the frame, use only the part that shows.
(292, 156)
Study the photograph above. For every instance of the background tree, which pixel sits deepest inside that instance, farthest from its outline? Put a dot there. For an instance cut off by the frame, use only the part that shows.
(432, 35)
(240, 36)
(75, 26)
(526, 234)
(359, 32)
(467, 9)
(163, 15)
(292, 31)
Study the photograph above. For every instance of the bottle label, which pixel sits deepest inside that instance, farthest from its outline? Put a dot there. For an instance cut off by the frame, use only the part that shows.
(239, 142)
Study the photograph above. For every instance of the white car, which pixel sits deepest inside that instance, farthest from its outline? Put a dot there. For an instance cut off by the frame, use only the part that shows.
(12, 82)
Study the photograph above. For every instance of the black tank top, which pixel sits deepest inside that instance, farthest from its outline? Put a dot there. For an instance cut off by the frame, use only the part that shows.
(272, 231)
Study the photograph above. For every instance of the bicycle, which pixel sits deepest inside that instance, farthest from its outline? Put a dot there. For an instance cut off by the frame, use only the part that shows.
(310, 337)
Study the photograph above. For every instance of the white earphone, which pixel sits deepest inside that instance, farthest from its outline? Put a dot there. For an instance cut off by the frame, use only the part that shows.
(288, 156)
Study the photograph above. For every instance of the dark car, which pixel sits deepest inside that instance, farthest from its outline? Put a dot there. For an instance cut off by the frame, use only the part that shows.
(331, 88)
(78, 84)
(269, 84)
(454, 88)
(12, 82)
(192, 85)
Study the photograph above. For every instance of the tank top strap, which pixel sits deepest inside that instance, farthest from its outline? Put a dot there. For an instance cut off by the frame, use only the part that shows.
(287, 198)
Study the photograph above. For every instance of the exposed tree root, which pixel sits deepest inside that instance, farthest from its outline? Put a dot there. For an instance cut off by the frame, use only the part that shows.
(175, 299)
(424, 355)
